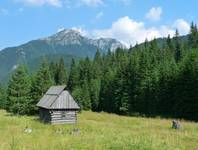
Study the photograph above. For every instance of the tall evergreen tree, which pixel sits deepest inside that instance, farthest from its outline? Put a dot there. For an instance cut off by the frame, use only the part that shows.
(40, 84)
(82, 95)
(18, 92)
(73, 80)
(177, 46)
(53, 69)
(61, 73)
(169, 43)
(94, 93)
(146, 44)
(193, 36)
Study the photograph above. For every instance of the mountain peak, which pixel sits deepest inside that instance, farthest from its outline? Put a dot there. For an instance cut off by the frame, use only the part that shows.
(65, 37)
(66, 31)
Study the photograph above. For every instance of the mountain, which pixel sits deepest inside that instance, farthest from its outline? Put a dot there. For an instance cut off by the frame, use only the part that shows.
(67, 43)
(71, 37)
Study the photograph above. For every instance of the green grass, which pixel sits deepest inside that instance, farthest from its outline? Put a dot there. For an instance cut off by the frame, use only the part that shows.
(98, 131)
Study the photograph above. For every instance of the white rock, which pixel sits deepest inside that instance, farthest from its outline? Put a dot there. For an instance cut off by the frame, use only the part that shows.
(28, 130)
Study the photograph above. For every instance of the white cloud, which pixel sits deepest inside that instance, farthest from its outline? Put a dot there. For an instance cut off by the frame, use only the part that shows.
(154, 14)
(91, 2)
(99, 15)
(56, 3)
(182, 26)
(129, 31)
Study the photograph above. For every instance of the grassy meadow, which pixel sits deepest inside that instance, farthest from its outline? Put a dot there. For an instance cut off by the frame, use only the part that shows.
(96, 131)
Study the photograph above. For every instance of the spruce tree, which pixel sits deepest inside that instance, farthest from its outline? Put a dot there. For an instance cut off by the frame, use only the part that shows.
(73, 80)
(86, 100)
(82, 95)
(18, 92)
(177, 47)
(61, 73)
(169, 43)
(53, 68)
(193, 36)
(94, 93)
(40, 84)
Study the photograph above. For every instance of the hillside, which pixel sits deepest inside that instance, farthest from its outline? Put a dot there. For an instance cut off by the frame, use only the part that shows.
(97, 131)
(67, 43)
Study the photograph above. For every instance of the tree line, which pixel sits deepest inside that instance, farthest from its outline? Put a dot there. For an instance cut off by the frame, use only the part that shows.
(147, 79)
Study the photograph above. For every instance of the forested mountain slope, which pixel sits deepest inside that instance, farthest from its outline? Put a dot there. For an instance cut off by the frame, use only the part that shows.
(68, 43)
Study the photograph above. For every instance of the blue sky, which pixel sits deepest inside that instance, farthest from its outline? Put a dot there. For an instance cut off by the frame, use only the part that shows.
(129, 21)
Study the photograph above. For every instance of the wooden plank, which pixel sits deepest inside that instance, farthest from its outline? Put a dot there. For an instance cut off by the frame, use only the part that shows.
(53, 119)
(54, 123)
(64, 117)
(60, 115)
(63, 121)
(60, 112)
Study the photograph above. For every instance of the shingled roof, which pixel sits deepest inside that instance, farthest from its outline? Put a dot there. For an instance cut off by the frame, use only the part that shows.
(57, 98)
(55, 90)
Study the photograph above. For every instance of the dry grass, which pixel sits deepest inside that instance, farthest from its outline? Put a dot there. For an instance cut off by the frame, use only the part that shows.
(98, 131)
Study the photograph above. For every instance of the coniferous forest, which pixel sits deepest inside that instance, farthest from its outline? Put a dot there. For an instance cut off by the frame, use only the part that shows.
(148, 79)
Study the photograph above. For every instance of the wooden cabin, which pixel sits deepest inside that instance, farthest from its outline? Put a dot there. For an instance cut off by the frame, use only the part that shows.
(57, 106)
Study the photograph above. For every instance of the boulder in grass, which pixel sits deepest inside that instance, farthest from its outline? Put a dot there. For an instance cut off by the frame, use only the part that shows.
(176, 124)
(28, 130)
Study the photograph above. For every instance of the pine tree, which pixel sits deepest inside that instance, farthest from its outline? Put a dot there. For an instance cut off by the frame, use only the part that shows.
(121, 95)
(61, 73)
(53, 67)
(94, 93)
(169, 43)
(146, 44)
(97, 57)
(177, 47)
(18, 92)
(82, 95)
(86, 100)
(106, 96)
(85, 70)
(193, 36)
(40, 84)
(77, 94)
(154, 45)
(73, 80)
